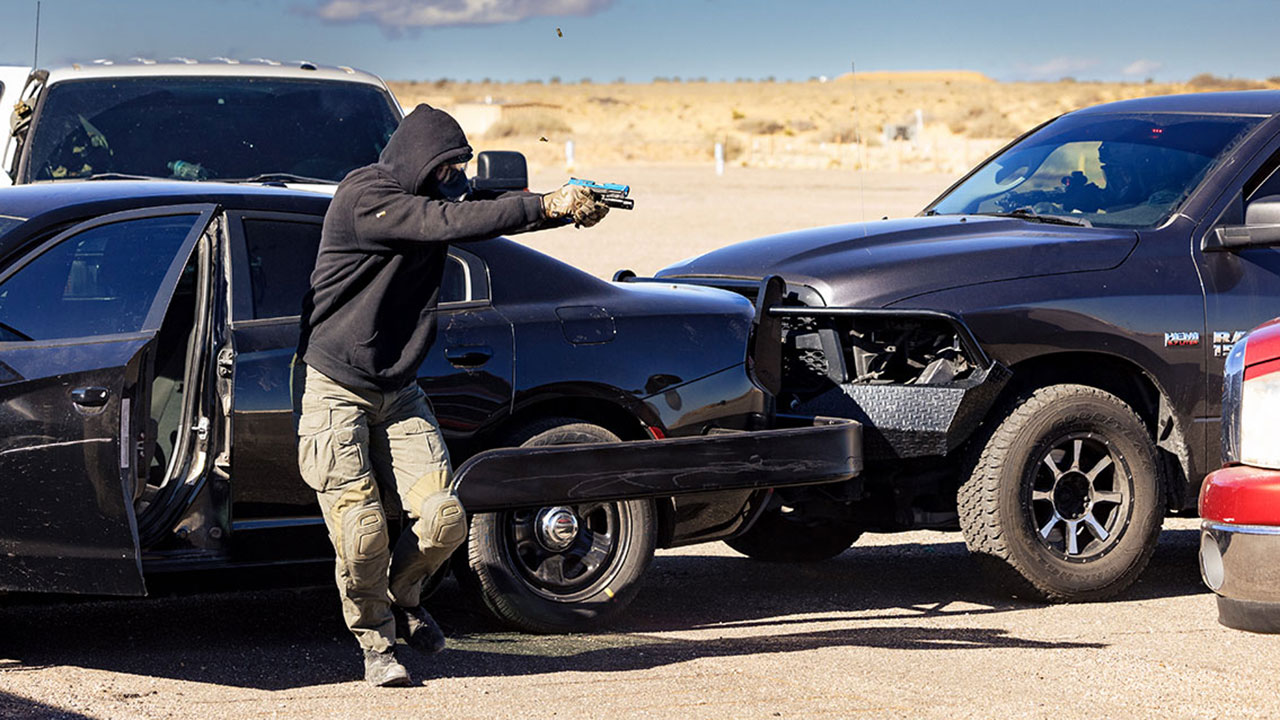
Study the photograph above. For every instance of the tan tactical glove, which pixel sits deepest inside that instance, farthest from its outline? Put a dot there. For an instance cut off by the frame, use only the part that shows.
(575, 202)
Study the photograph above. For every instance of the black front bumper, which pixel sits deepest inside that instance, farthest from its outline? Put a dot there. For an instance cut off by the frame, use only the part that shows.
(825, 451)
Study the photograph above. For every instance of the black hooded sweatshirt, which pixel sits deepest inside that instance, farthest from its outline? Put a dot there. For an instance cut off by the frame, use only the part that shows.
(370, 316)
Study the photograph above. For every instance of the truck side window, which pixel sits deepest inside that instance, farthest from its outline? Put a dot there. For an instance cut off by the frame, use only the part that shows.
(1266, 181)
(98, 282)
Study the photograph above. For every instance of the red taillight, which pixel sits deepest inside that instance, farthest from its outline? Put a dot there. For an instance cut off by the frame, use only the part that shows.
(656, 432)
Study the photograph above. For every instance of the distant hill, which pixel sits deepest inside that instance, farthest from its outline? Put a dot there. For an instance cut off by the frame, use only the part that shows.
(918, 76)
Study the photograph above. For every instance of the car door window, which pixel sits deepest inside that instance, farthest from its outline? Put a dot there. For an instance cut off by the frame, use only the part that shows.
(281, 256)
(455, 286)
(100, 281)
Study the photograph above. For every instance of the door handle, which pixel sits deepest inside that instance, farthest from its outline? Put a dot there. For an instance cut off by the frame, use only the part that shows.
(90, 396)
(468, 355)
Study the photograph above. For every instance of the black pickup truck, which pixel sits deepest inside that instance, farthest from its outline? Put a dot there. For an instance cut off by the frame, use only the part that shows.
(1037, 356)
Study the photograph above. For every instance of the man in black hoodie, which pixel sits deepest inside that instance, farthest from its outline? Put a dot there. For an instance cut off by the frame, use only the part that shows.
(364, 425)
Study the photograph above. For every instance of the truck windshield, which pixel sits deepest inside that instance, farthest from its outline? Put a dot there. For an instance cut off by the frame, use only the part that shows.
(211, 128)
(1115, 170)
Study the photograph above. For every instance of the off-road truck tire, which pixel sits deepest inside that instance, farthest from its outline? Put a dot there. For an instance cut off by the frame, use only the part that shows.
(1063, 461)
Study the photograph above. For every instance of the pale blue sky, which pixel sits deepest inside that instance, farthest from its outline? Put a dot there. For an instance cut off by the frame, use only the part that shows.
(641, 39)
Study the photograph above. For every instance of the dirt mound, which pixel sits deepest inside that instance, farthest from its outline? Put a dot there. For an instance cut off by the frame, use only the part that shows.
(918, 76)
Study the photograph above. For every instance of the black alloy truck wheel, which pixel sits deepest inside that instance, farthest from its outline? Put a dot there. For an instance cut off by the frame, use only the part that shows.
(784, 534)
(564, 568)
(1064, 502)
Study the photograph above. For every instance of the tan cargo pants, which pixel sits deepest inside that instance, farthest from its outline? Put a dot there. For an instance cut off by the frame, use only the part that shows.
(354, 445)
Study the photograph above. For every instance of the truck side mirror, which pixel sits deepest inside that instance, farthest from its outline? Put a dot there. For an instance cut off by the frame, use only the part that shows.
(500, 171)
(1261, 227)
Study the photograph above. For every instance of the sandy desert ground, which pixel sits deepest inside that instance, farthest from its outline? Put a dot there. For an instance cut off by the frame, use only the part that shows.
(683, 211)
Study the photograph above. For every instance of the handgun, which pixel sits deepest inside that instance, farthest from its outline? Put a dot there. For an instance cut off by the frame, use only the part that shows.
(610, 194)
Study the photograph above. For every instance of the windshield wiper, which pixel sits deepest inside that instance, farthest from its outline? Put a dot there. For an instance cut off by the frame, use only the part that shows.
(280, 177)
(1033, 216)
(6, 328)
(115, 176)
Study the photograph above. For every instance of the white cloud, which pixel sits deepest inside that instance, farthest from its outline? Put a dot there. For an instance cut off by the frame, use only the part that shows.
(1056, 68)
(395, 15)
(1142, 67)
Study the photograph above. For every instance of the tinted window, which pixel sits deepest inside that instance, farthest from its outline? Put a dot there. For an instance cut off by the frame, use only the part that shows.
(282, 254)
(208, 128)
(453, 287)
(281, 257)
(98, 282)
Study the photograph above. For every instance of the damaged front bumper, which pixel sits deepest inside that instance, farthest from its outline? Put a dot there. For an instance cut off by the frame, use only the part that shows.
(825, 450)
(917, 380)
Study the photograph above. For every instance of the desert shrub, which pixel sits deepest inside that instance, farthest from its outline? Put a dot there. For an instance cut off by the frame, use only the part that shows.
(981, 121)
(840, 134)
(846, 133)
(738, 114)
(801, 126)
(528, 123)
(734, 146)
(760, 126)
(1209, 81)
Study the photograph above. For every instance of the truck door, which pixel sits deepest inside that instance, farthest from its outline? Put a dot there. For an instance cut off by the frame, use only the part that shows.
(78, 321)
(1242, 285)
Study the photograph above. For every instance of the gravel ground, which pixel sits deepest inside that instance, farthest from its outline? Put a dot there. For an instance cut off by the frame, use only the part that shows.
(899, 626)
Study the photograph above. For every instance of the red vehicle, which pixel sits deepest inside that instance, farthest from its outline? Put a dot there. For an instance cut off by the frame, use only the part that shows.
(1240, 504)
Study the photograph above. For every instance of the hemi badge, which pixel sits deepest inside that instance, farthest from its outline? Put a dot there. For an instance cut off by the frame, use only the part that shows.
(1181, 339)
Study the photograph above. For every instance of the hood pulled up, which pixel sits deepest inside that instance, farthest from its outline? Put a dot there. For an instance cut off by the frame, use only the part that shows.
(424, 140)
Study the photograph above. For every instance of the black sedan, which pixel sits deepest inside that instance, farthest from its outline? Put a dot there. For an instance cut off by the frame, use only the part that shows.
(146, 333)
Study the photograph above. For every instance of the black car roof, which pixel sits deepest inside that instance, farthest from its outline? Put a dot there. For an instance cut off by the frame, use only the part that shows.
(97, 196)
(1246, 102)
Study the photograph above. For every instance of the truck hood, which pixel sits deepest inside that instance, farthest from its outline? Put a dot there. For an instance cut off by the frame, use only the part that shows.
(878, 263)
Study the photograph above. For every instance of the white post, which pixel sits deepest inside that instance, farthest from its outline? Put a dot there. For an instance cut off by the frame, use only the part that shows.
(568, 155)
(719, 158)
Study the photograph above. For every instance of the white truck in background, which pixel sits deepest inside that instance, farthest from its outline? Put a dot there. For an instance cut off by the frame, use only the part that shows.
(261, 121)
(12, 79)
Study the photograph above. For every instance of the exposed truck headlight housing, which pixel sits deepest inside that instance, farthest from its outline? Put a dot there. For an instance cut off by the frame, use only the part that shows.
(1260, 415)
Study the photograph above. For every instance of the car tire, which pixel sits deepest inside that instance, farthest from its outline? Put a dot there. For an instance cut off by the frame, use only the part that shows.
(536, 581)
(1064, 501)
(783, 535)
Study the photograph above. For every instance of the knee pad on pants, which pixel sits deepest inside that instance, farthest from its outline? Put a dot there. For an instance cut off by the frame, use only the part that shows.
(442, 523)
(365, 532)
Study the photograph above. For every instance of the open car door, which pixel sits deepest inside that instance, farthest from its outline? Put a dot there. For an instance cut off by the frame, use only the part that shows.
(78, 319)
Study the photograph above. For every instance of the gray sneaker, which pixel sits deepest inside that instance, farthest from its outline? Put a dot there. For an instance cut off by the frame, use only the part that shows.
(416, 627)
(383, 670)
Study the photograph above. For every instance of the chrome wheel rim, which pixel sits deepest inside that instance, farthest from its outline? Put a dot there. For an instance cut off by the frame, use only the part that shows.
(565, 553)
(1081, 496)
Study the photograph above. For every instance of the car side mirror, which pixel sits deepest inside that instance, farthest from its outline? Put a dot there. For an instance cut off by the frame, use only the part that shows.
(1261, 227)
(500, 171)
